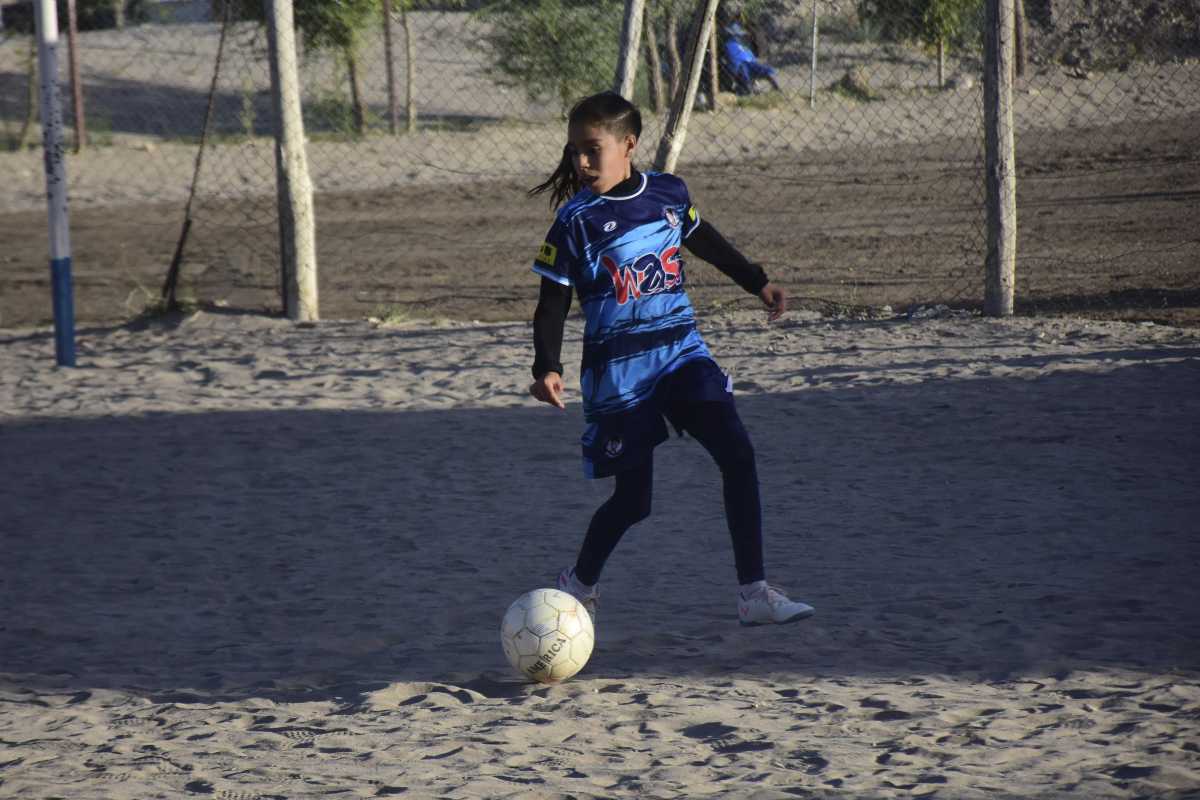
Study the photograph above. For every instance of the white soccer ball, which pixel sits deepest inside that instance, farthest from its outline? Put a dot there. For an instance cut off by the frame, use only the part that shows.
(547, 635)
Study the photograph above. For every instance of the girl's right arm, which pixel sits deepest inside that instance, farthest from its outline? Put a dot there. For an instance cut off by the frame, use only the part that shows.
(554, 301)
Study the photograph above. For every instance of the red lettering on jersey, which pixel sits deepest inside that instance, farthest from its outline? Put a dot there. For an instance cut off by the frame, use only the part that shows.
(624, 279)
(670, 263)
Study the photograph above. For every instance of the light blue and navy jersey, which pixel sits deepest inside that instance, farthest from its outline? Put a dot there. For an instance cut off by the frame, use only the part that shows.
(623, 257)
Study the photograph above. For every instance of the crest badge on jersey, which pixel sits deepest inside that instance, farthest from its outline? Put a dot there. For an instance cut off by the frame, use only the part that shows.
(672, 216)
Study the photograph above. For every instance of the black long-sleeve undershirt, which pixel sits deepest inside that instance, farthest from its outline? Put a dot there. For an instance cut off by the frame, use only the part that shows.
(554, 299)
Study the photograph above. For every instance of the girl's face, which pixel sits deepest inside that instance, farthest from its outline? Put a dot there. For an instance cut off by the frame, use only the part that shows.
(602, 160)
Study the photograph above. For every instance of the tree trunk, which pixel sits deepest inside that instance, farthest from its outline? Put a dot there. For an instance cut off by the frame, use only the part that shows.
(631, 45)
(671, 144)
(76, 84)
(118, 7)
(393, 107)
(25, 136)
(1022, 61)
(410, 63)
(654, 66)
(941, 63)
(356, 93)
(674, 62)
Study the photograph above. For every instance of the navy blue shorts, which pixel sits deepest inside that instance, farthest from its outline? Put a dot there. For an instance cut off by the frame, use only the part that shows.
(617, 442)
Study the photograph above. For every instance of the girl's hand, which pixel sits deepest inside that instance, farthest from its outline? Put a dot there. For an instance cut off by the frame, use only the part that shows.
(549, 390)
(775, 299)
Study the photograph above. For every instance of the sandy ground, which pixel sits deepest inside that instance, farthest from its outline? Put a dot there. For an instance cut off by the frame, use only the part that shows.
(250, 559)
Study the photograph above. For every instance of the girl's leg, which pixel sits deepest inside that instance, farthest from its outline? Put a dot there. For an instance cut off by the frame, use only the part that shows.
(719, 429)
(630, 503)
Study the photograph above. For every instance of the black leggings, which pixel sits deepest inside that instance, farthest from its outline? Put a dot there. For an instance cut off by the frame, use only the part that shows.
(719, 429)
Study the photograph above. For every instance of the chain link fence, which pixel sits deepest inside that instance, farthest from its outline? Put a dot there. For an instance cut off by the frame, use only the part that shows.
(1108, 152)
(847, 157)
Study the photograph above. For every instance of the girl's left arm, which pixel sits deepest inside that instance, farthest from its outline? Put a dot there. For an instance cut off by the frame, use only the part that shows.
(706, 242)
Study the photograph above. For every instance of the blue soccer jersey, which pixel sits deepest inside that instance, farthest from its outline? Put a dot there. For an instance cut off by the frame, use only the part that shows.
(623, 257)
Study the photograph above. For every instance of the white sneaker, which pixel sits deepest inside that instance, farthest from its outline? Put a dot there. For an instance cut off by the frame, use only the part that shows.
(766, 605)
(589, 596)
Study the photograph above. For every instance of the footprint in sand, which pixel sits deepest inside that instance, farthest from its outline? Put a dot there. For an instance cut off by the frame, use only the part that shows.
(720, 738)
(812, 761)
(887, 712)
(302, 736)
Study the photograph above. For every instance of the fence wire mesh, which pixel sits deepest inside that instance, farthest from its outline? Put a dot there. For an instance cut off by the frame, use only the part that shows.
(838, 143)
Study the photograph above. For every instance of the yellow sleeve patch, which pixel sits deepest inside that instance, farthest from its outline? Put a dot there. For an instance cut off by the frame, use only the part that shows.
(692, 213)
(547, 254)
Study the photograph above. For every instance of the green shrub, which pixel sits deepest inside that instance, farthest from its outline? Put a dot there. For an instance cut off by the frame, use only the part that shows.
(955, 23)
(553, 49)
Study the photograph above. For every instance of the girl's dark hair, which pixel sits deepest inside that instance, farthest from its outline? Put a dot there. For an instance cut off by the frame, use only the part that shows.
(607, 110)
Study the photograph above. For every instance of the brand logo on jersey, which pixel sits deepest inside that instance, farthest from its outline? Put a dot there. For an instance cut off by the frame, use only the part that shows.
(547, 254)
(610, 226)
(672, 217)
(647, 274)
(613, 447)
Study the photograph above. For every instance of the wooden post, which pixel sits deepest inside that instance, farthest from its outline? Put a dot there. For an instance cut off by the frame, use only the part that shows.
(55, 161)
(393, 106)
(297, 238)
(714, 64)
(1001, 176)
(671, 143)
(76, 84)
(172, 280)
(631, 44)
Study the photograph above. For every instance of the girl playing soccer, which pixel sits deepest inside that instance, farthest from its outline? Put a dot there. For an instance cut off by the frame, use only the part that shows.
(617, 241)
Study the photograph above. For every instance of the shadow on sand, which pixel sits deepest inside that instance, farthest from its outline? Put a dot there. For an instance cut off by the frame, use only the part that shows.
(990, 528)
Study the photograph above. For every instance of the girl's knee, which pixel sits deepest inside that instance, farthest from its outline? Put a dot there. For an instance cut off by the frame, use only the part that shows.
(738, 456)
(633, 494)
(634, 506)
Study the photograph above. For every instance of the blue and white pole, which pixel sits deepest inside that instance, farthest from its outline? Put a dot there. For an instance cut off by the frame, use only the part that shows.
(46, 16)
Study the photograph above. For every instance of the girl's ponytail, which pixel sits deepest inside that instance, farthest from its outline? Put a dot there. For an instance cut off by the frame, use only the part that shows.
(563, 183)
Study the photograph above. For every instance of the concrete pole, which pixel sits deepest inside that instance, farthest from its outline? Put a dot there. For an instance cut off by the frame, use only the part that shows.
(297, 222)
(62, 289)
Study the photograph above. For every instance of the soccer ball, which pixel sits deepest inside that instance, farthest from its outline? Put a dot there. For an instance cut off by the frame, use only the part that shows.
(547, 635)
